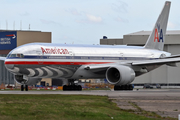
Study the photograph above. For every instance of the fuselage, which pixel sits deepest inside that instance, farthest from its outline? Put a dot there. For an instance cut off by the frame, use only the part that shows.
(49, 60)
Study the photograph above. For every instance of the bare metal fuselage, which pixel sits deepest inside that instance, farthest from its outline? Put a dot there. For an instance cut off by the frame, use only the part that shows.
(44, 60)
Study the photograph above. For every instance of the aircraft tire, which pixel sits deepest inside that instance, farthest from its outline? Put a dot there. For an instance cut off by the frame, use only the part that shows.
(64, 87)
(127, 87)
(72, 88)
(26, 87)
(123, 87)
(115, 88)
(22, 87)
(131, 87)
(75, 87)
(79, 88)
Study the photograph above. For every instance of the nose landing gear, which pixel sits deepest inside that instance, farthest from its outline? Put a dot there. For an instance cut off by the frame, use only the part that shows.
(24, 87)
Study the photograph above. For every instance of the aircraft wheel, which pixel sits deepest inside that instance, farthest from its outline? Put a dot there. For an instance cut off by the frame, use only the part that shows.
(72, 88)
(123, 87)
(22, 87)
(79, 88)
(115, 88)
(130, 87)
(64, 87)
(127, 87)
(26, 87)
(76, 88)
(68, 88)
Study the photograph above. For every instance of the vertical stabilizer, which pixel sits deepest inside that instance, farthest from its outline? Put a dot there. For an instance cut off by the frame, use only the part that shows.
(157, 37)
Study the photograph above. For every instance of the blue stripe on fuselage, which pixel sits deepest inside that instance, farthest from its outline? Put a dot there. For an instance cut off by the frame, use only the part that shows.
(83, 57)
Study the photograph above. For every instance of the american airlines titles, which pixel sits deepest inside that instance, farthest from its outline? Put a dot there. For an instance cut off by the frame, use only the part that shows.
(54, 51)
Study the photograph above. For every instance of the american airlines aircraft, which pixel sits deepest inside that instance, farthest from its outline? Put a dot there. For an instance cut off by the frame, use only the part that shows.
(118, 64)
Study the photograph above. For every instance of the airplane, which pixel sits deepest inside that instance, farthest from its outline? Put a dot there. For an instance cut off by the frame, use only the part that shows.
(119, 64)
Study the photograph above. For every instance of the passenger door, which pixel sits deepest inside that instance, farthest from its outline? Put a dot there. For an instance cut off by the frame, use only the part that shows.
(40, 57)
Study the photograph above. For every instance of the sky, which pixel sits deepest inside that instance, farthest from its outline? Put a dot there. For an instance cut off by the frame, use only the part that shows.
(85, 21)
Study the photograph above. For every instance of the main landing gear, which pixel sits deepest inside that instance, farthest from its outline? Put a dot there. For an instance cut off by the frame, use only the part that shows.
(72, 86)
(24, 87)
(123, 87)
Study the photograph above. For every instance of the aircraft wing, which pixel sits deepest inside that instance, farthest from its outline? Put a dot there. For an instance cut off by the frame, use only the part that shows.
(174, 56)
(169, 61)
(103, 67)
(98, 68)
(2, 58)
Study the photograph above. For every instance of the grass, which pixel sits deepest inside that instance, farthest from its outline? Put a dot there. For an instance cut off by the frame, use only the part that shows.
(62, 107)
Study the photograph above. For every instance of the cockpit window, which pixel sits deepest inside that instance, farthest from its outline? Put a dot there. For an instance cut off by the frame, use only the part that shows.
(16, 55)
(19, 55)
(12, 55)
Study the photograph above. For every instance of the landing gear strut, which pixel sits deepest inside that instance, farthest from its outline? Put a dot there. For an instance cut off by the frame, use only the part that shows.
(72, 86)
(24, 86)
(123, 87)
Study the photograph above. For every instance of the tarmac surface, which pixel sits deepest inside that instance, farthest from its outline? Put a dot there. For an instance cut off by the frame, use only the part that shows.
(164, 102)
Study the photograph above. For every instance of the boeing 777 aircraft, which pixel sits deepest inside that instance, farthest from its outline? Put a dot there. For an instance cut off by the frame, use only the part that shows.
(118, 64)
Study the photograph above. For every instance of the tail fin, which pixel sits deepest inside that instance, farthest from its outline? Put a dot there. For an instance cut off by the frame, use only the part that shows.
(157, 37)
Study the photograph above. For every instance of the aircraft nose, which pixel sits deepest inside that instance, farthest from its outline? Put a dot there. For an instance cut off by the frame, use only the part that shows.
(9, 66)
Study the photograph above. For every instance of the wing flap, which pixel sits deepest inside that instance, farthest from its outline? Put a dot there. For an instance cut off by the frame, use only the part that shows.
(168, 61)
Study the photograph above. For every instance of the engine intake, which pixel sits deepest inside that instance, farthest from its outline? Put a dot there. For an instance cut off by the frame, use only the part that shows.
(120, 75)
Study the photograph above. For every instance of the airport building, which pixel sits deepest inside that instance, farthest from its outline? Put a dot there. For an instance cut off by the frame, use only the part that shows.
(164, 75)
(10, 39)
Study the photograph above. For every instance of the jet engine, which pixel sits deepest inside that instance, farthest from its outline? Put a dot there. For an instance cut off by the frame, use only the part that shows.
(27, 81)
(120, 75)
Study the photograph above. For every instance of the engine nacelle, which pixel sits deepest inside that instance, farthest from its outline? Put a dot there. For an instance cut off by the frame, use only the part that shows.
(120, 75)
(28, 81)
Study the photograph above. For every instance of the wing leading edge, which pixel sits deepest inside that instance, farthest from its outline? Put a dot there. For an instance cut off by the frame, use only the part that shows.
(171, 61)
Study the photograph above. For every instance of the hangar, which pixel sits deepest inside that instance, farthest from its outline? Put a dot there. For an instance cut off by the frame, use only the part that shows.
(164, 75)
(10, 39)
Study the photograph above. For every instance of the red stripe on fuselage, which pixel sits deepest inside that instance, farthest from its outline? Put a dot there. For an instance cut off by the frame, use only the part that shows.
(52, 63)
